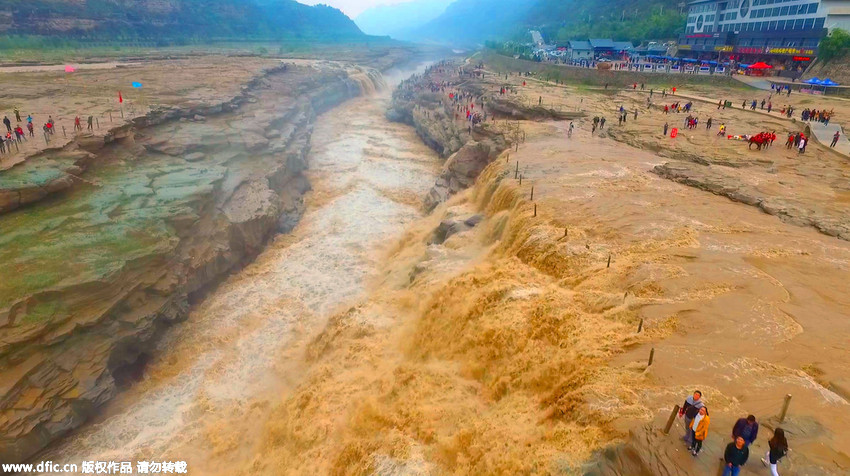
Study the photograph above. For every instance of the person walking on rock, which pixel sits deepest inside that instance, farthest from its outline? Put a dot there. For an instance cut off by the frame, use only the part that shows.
(735, 456)
(8, 124)
(802, 145)
(666, 127)
(699, 430)
(689, 411)
(602, 123)
(91, 117)
(778, 449)
(17, 114)
(835, 138)
(746, 428)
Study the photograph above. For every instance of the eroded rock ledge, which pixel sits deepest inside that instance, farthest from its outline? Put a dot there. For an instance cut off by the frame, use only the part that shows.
(179, 199)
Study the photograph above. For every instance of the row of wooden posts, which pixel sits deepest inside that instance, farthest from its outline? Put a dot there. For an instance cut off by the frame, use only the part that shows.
(65, 133)
(672, 418)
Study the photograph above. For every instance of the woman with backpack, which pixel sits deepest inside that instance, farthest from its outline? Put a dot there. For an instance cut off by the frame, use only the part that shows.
(778, 449)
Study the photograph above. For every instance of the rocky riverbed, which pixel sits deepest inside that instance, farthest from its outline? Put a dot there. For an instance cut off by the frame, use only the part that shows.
(146, 221)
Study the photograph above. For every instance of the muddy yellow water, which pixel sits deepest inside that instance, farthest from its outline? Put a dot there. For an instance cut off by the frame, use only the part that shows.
(206, 396)
(357, 345)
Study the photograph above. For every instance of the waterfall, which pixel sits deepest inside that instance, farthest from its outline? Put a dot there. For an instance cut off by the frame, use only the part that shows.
(369, 80)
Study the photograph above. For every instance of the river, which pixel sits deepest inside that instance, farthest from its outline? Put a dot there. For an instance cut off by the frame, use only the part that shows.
(208, 390)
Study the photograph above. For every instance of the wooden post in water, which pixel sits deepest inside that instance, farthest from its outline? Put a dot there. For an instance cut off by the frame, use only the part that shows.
(532, 193)
(651, 357)
(785, 408)
(535, 209)
(609, 261)
(97, 119)
(516, 172)
(110, 116)
(520, 179)
(671, 419)
(640, 325)
(63, 132)
(566, 232)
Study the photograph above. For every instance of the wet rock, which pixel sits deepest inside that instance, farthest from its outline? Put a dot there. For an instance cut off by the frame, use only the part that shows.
(462, 168)
(454, 226)
(787, 208)
(41, 176)
(195, 156)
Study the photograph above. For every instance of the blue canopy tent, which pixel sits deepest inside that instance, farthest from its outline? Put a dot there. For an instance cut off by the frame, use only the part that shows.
(829, 83)
(814, 80)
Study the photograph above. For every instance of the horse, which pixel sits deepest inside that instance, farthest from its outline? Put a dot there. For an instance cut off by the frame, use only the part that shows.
(759, 140)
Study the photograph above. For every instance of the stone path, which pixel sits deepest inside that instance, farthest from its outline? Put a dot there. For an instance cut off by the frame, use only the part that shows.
(758, 83)
(825, 133)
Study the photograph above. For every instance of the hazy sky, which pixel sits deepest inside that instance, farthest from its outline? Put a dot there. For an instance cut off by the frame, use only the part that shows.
(352, 8)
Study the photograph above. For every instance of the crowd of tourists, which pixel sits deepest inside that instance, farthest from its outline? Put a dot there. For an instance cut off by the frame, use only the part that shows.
(816, 115)
(677, 107)
(16, 135)
(695, 416)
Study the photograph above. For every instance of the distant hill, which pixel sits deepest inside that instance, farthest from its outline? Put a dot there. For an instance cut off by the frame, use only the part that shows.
(471, 22)
(399, 19)
(635, 20)
(106, 20)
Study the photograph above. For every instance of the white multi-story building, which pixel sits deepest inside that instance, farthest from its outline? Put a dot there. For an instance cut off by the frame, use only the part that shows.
(783, 32)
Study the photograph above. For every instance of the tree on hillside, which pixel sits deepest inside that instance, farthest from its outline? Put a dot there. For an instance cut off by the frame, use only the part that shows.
(836, 45)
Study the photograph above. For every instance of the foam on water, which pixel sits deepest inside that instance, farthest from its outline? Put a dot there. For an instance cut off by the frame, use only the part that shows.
(222, 360)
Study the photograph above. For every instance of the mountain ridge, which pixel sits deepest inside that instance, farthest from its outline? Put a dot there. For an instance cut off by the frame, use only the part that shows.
(172, 19)
(472, 22)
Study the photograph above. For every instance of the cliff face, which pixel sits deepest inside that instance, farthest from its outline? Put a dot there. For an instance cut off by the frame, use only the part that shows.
(177, 201)
(163, 19)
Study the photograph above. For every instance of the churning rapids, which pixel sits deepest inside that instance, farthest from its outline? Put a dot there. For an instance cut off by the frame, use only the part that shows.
(211, 384)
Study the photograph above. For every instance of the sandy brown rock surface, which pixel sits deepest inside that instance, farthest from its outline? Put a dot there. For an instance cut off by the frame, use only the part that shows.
(512, 346)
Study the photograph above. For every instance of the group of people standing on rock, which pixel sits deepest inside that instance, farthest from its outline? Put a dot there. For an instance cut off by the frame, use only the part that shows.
(677, 107)
(815, 115)
(799, 141)
(15, 136)
(696, 418)
(598, 122)
(7, 140)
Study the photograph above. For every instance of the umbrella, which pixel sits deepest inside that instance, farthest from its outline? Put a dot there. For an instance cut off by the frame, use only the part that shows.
(759, 65)
(70, 69)
(137, 84)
